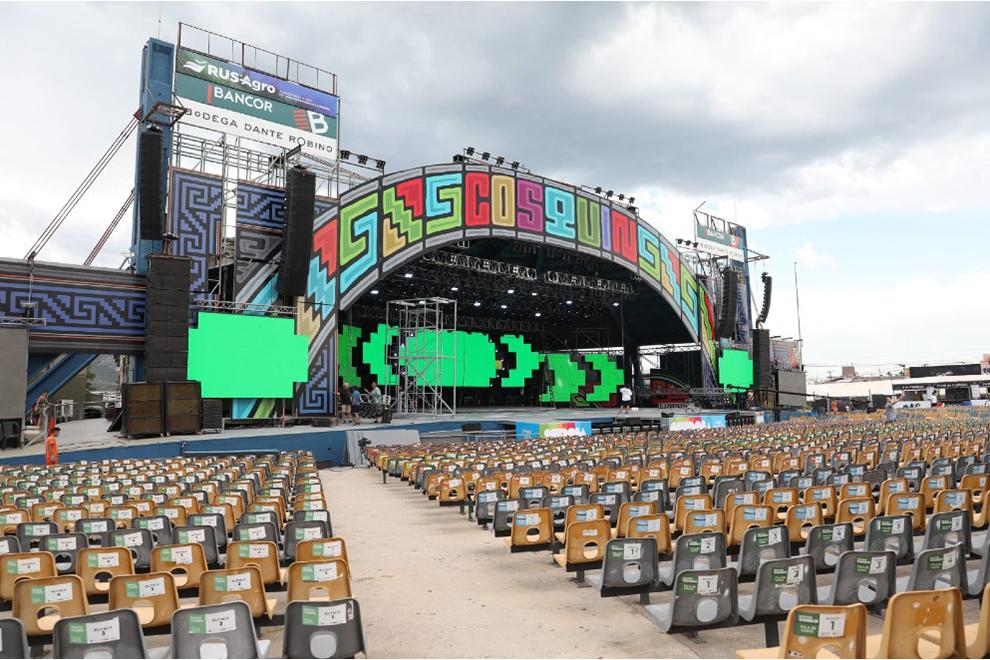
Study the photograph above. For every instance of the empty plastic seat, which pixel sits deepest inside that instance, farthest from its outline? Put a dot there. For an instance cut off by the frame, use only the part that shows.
(811, 629)
(113, 634)
(18, 566)
(762, 544)
(938, 568)
(746, 517)
(610, 504)
(13, 639)
(584, 545)
(323, 630)
(631, 566)
(921, 624)
(29, 534)
(330, 576)
(629, 510)
(531, 529)
(204, 535)
(236, 584)
(862, 577)
(945, 529)
(65, 548)
(780, 585)
(214, 631)
(97, 566)
(695, 551)
(40, 602)
(826, 543)
(185, 562)
(702, 599)
(138, 542)
(152, 595)
(505, 511)
(159, 526)
(656, 526)
(97, 530)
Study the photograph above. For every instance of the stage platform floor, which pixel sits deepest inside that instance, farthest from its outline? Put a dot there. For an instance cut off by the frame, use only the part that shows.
(91, 435)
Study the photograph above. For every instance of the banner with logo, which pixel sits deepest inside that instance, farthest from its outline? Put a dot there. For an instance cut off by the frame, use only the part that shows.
(250, 107)
(729, 244)
(697, 422)
(530, 430)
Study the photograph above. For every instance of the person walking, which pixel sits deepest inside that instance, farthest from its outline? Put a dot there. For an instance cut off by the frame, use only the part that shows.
(626, 395)
(356, 404)
(51, 446)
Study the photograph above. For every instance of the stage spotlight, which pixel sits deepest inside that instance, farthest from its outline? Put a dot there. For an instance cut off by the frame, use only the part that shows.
(610, 193)
(458, 158)
(533, 293)
(374, 292)
(362, 160)
(598, 190)
(454, 288)
(538, 314)
(632, 200)
(621, 197)
(515, 165)
(503, 306)
(615, 304)
(408, 276)
(500, 160)
(470, 151)
(477, 304)
(511, 291)
(569, 302)
(380, 164)
(345, 153)
(485, 155)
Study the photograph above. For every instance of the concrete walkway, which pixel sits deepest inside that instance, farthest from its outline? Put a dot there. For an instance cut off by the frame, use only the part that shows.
(432, 584)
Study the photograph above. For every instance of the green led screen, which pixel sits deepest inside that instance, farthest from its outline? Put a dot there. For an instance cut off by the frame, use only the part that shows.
(735, 369)
(482, 361)
(243, 356)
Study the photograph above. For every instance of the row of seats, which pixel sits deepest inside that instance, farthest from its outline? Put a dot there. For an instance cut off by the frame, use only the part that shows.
(138, 535)
(788, 510)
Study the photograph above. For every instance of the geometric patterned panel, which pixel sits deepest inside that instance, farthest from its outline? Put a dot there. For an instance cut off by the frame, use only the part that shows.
(196, 212)
(86, 310)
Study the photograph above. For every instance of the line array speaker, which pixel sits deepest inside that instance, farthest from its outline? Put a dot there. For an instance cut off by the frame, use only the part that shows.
(143, 409)
(297, 245)
(767, 291)
(151, 210)
(727, 305)
(166, 341)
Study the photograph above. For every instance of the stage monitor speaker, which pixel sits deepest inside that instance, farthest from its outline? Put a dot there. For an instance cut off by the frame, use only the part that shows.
(767, 291)
(151, 210)
(761, 359)
(143, 409)
(183, 407)
(212, 414)
(727, 304)
(297, 245)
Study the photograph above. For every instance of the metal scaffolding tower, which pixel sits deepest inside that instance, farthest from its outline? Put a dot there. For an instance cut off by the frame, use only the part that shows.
(426, 356)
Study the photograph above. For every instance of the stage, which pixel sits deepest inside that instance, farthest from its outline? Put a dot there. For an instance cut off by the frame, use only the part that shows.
(89, 439)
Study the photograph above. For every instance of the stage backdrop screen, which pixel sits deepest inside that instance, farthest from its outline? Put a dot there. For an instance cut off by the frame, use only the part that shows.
(735, 369)
(242, 356)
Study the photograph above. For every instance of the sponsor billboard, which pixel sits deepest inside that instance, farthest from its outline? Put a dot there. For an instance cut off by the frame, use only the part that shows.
(230, 98)
(529, 430)
(697, 422)
(729, 242)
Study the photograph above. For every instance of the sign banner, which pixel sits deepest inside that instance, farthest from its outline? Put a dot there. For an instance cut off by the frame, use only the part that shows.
(232, 75)
(235, 123)
(530, 430)
(723, 243)
(695, 422)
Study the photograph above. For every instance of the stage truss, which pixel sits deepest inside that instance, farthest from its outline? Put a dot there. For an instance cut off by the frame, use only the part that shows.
(422, 357)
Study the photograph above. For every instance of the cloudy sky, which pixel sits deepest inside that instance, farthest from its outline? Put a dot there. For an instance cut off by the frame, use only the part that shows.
(849, 138)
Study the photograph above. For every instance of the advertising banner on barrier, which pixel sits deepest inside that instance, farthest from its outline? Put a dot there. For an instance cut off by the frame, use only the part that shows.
(530, 430)
(256, 113)
(694, 422)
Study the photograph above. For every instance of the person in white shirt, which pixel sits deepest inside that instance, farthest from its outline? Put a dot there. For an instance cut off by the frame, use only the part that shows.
(626, 395)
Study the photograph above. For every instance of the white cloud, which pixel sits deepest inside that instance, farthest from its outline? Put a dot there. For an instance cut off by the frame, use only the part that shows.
(807, 255)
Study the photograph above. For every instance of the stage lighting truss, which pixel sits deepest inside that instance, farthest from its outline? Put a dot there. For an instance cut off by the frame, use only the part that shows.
(627, 201)
(481, 157)
(282, 311)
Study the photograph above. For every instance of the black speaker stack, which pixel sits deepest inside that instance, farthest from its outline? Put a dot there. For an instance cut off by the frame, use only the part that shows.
(761, 359)
(297, 244)
(167, 318)
(212, 414)
(726, 326)
(183, 407)
(151, 210)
